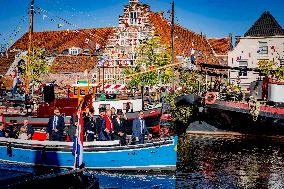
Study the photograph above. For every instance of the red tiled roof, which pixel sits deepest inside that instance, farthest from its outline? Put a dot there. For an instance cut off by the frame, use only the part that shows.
(220, 46)
(73, 64)
(64, 39)
(5, 62)
(183, 39)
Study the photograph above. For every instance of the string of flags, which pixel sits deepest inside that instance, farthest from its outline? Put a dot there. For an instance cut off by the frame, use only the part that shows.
(8, 38)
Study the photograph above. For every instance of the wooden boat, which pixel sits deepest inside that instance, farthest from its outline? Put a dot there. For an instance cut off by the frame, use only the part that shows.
(99, 155)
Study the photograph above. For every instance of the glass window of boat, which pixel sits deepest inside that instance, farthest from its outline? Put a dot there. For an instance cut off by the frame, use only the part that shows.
(282, 63)
(127, 106)
(75, 90)
(82, 92)
(106, 106)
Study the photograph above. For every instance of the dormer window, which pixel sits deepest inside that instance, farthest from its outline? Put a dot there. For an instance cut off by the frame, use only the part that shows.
(74, 51)
(263, 48)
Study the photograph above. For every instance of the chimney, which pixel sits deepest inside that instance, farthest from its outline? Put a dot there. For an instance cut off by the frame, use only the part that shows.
(230, 43)
(237, 40)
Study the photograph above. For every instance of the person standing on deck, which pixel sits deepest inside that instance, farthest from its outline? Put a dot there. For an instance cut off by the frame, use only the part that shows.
(113, 111)
(55, 126)
(119, 128)
(139, 129)
(99, 123)
(73, 125)
(2, 130)
(107, 129)
(89, 126)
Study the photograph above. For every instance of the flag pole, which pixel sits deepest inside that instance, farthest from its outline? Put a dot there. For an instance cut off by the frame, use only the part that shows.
(29, 49)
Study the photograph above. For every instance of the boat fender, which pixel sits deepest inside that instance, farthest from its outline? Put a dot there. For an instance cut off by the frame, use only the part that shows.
(210, 98)
(43, 154)
(9, 150)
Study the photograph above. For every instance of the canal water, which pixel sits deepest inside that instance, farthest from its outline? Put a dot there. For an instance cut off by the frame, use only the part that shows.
(205, 161)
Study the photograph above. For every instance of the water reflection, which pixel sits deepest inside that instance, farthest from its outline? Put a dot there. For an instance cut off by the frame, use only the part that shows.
(205, 161)
(232, 162)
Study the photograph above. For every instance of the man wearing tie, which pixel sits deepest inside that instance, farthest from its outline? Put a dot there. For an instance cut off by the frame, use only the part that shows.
(55, 126)
(139, 129)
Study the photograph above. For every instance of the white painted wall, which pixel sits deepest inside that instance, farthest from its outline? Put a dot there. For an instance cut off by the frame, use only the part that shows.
(247, 50)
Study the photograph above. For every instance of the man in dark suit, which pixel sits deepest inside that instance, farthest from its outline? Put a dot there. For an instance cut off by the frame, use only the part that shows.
(99, 123)
(139, 129)
(119, 128)
(55, 126)
(89, 126)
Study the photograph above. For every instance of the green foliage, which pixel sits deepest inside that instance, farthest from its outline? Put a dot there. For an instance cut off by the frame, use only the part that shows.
(150, 55)
(184, 150)
(189, 83)
(181, 114)
(37, 68)
(270, 68)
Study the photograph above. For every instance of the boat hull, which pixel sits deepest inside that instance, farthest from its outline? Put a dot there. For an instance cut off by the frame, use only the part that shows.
(150, 156)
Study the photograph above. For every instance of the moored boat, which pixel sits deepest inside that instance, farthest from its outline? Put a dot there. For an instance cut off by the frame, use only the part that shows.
(99, 155)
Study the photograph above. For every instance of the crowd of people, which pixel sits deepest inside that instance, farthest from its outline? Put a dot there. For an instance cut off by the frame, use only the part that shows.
(19, 131)
(109, 125)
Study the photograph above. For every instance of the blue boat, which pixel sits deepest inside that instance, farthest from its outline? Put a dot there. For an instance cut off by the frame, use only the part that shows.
(99, 155)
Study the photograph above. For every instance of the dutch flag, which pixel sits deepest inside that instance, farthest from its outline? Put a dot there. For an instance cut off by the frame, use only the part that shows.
(15, 81)
(78, 142)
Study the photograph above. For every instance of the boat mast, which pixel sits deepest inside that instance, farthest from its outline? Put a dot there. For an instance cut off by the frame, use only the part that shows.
(173, 45)
(29, 48)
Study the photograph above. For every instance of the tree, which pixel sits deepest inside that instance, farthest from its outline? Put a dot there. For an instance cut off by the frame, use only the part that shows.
(151, 54)
(37, 68)
(271, 68)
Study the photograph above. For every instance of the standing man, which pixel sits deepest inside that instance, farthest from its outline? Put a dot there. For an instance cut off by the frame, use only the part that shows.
(107, 129)
(99, 121)
(139, 129)
(73, 125)
(55, 126)
(113, 113)
(119, 128)
(89, 126)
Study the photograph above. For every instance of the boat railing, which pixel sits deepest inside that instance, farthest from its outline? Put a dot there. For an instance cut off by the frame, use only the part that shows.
(57, 143)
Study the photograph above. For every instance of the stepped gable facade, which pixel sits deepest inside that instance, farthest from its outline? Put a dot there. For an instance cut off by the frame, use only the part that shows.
(265, 26)
(76, 51)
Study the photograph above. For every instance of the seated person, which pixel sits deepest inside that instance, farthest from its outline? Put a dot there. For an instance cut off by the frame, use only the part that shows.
(26, 130)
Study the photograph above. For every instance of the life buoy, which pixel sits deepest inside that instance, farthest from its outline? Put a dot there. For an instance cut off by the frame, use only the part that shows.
(210, 98)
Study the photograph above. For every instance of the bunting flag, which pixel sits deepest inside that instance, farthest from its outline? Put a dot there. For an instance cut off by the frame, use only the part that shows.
(15, 81)
(77, 150)
(60, 25)
(44, 16)
(87, 40)
(98, 47)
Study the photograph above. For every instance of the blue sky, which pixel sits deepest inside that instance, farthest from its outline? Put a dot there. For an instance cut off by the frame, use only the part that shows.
(215, 18)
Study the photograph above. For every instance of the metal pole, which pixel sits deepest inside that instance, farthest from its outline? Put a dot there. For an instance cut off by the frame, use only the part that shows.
(29, 48)
(103, 77)
(173, 51)
(142, 95)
